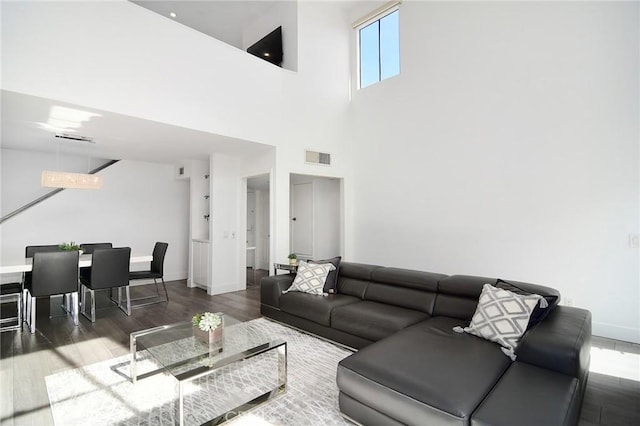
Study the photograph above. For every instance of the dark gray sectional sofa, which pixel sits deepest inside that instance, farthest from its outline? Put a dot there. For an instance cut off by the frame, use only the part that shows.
(412, 368)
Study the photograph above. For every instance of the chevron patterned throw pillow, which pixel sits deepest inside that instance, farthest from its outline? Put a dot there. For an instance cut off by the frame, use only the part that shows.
(502, 317)
(310, 278)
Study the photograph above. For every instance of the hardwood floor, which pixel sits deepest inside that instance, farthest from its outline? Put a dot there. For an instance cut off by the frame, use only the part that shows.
(612, 398)
(25, 359)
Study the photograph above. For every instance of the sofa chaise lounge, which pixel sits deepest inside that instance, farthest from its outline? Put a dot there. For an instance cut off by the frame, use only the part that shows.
(413, 368)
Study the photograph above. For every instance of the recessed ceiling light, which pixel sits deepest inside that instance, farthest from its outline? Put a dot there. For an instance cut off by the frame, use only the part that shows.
(173, 14)
(266, 53)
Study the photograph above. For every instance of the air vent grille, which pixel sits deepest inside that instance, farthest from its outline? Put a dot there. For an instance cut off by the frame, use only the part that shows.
(74, 137)
(315, 157)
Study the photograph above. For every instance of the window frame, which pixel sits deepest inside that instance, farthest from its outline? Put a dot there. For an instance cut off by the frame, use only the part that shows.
(369, 19)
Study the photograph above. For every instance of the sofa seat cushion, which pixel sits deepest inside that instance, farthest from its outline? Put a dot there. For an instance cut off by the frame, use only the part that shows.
(426, 372)
(314, 308)
(529, 396)
(372, 320)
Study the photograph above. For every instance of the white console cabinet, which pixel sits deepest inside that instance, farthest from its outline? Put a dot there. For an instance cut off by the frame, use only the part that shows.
(201, 256)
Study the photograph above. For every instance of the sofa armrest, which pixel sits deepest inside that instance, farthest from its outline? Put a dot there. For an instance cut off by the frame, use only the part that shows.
(561, 342)
(271, 288)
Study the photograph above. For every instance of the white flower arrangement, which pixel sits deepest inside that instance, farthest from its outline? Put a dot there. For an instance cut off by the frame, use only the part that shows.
(206, 321)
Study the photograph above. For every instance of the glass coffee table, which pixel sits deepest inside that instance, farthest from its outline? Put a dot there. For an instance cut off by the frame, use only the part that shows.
(174, 349)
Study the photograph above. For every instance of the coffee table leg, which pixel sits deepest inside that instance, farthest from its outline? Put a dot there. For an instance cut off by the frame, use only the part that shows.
(132, 365)
(282, 367)
(181, 403)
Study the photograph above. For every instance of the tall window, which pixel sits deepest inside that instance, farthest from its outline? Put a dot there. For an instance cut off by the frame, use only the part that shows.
(379, 48)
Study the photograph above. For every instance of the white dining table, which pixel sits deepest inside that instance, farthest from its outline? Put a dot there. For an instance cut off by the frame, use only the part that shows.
(85, 260)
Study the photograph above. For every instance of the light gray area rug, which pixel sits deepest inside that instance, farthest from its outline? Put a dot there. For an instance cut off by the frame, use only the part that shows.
(102, 394)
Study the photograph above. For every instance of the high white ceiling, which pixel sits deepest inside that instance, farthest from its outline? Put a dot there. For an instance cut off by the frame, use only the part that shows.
(223, 20)
(116, 136)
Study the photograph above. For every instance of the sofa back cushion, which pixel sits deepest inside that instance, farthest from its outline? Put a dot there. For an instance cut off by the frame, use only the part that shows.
(458, 295)
(422, 301)
(403, 287)
(354, 278)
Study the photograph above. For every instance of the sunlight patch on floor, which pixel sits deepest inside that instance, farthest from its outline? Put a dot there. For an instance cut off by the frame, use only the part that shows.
(248, 419)
(615, 363)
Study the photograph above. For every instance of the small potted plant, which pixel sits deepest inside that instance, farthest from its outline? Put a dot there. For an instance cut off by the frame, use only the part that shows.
(293, 259)
(207, 327)
(70, 246)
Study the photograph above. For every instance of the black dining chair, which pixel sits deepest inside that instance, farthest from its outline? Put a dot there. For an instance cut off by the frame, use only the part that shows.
(29, 251)
(156, 272)
(109, 269)
(53, 273)
(88, 248)
(11, 293)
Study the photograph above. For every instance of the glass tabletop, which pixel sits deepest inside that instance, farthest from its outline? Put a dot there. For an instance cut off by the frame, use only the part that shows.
(181, 351)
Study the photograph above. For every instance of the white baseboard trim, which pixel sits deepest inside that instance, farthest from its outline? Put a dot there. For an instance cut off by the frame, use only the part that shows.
(613, 331)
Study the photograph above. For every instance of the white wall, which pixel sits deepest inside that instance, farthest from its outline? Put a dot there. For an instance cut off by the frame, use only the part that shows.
(508, 147)
(315, 110)
(325, 237)
(120, 57)
(262, 234)
(140, 203)
(150, 67)
(227, 243)
(283, 14)
(21, 172)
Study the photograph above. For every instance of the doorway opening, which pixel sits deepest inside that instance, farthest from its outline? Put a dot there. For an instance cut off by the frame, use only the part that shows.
(315, 217)
(258, 225)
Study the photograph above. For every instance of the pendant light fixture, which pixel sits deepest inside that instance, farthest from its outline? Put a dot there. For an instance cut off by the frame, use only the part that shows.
(57, 179)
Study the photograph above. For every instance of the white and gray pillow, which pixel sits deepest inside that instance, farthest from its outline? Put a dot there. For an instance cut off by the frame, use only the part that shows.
(310, 278)
(331, 284)
(502, 317)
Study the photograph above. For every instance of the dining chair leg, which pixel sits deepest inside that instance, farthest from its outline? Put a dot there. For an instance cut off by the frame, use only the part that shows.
(127, 309)
(166, 295)
(74, 307)
(20, 312)
(25, 299)
(66, 303)
(32, 314)
(155, 281)
(83, 303)
(115, 301)
(91, 316)
(93, 305)
(156, 298)
(128, 300)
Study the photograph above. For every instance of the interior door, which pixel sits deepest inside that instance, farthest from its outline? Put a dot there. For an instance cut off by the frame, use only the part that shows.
(302, 219)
